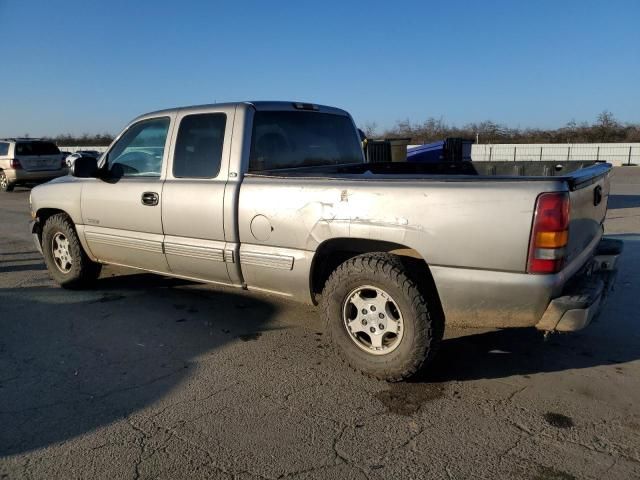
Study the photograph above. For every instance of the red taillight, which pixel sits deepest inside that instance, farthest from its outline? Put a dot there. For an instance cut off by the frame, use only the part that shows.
(15, 164)
(549, 234)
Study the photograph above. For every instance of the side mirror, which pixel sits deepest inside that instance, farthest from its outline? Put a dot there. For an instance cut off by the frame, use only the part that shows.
(85, 167)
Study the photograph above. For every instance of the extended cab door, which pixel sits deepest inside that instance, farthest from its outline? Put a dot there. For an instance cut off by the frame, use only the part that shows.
(121, 211)
(193, 195)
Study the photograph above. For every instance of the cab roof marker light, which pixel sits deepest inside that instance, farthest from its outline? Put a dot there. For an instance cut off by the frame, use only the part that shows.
(305, 106)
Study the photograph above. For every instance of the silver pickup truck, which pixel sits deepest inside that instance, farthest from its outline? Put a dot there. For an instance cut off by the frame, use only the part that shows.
(278, 197)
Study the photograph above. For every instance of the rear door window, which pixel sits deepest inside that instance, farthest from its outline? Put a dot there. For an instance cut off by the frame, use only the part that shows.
(4, 149)
(198, 152)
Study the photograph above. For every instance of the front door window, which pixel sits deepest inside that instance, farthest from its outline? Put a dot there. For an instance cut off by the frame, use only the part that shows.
(139, 152)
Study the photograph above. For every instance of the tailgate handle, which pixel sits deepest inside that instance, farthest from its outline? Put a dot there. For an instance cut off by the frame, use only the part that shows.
(150, 198)
(597, 195)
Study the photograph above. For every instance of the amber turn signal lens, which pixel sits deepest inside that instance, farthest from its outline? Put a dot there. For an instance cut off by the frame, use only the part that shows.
(552, 239)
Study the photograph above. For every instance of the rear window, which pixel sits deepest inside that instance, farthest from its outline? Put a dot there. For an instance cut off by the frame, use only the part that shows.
(286, 139)
(36, 148)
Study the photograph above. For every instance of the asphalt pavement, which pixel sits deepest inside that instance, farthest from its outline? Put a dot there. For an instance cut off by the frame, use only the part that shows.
(150, 377)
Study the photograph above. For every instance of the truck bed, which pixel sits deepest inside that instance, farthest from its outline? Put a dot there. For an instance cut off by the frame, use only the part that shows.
(574, 173)
(471, 222)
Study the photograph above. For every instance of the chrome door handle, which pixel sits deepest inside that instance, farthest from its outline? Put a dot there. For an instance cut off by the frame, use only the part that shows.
(150, 198)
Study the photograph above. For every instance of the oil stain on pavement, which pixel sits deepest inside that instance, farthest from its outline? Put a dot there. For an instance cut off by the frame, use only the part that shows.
(407, 398)
(558, 420)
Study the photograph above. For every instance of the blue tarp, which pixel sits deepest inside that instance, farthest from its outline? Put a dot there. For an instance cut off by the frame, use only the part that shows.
(431, 152)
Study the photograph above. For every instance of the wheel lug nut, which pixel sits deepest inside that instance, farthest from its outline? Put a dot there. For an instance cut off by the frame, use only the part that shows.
(381, 326)
(364, 311)
(373, 308)
(364, 322)
(381, 315)
(373, 329)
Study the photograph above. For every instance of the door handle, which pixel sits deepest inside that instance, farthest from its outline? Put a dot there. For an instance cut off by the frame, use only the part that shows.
(150, 198)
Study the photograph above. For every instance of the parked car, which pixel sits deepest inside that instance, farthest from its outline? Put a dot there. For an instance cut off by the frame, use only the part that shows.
(71, 158)
(26, 160)
(277, 197)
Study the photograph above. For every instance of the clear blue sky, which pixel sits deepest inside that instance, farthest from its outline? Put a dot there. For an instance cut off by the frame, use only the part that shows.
(89, 66)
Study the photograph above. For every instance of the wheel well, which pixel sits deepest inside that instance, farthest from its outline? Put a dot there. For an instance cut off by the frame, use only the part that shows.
(333, 252)
(43, 215)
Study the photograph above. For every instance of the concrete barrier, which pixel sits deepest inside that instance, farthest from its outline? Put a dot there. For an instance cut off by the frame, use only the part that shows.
(617, 154)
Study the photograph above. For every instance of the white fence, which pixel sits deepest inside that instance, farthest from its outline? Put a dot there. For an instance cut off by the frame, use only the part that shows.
(75, 149)
(614, 153)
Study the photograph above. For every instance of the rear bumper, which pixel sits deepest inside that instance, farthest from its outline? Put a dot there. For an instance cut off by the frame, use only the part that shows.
(583, 297)
(26, 176)
(481, 298)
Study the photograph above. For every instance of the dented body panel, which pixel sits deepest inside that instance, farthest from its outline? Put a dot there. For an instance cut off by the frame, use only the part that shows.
(474, 236)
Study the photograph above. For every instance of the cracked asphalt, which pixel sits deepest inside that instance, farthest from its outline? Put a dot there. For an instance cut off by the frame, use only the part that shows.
(149, 377)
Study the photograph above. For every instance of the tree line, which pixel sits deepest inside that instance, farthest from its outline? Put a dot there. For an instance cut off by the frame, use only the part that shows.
(606, 128)
(86, 140)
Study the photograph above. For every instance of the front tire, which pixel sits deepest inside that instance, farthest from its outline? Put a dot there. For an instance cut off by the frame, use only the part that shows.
(5, 186)
(379, 318)
(64, 256)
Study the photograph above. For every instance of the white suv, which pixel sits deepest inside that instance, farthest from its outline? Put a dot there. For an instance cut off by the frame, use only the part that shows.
(27, 160)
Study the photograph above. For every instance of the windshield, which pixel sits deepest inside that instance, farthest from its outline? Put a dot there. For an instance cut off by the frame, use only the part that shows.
(289, 139)
(36, 148)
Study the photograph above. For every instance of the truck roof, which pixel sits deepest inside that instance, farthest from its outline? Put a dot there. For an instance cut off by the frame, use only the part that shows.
(257, 105)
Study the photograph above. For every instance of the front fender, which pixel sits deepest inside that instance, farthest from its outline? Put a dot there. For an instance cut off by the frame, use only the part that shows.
(63, 194)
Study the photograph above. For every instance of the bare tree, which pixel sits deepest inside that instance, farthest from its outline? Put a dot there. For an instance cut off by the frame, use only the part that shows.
(370, 129)
(607, 120)
(606, 128)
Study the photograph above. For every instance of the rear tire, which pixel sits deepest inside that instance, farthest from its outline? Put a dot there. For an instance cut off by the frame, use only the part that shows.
(5, 186)
(64, 256)
(378, 317)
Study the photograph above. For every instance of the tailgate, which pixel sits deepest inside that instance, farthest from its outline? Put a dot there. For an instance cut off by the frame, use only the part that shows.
(588, 202)
(40, 162)
(37, 155)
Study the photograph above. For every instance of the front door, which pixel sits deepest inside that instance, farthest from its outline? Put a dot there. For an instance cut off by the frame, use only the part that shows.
(193, 196)
(122, 210)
